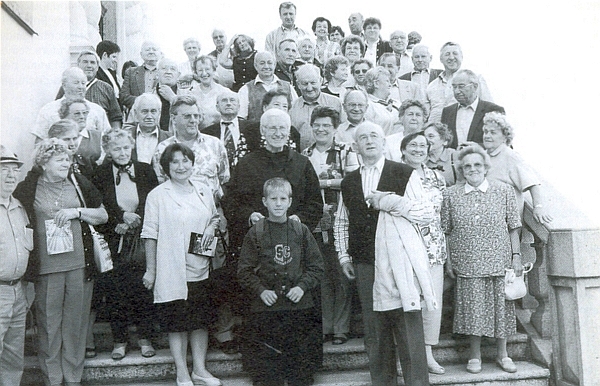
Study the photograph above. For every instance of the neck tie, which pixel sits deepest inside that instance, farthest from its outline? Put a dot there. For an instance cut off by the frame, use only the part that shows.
(228, 142)
(124, 169)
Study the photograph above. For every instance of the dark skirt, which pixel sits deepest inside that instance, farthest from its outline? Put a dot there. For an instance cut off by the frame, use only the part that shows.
(197, 312)
(280, 345)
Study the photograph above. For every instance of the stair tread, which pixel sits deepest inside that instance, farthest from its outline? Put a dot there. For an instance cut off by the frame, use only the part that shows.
(455, 375)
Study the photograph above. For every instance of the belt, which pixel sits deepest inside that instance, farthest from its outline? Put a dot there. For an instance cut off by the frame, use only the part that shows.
(10, 282)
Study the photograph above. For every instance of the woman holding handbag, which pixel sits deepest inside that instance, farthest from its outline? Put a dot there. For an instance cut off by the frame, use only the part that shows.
(62, 207)
(124, 185)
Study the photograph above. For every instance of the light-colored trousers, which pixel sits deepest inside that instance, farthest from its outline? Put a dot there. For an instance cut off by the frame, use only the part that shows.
(13, 309)
(63, 302)
(432, 319)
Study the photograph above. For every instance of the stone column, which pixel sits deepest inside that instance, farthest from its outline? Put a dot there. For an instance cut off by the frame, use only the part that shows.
(84, 18)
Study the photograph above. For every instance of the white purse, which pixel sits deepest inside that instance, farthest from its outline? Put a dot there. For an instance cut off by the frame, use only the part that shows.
(514, 286)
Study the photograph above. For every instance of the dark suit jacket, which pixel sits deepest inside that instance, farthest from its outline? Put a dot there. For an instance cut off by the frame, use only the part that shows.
(433, 73)
(103, 180)
(133, 85)
(383, 46)
(252, 137)
(362, 219)
(101, 74)
(476, 128)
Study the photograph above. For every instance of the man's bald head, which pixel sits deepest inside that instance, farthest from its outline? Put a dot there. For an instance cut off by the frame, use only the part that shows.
(74, 82)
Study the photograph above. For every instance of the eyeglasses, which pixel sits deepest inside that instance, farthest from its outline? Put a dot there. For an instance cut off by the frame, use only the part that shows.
(398, 38)
(363, 71)
(356, 105)
(461, 86)
(273, 129)
(322, 125)
(188, 117)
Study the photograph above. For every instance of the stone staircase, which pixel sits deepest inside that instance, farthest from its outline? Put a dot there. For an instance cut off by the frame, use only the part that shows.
(342, 365)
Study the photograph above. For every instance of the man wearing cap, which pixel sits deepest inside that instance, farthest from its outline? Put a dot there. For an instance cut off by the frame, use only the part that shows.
(16, 240)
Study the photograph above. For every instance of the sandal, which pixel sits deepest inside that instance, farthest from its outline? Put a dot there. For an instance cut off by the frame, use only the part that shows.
(339, 339)
(146, 348)
(118, 351)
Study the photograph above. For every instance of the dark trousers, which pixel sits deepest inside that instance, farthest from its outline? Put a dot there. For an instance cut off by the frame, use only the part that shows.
(408, 331)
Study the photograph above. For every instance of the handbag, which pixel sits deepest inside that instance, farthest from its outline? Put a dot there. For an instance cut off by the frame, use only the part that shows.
(514, 286)
(102, 256)
(224, 286)
(132, 251)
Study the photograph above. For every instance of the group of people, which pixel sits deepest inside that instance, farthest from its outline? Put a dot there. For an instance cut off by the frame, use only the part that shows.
(302, 169)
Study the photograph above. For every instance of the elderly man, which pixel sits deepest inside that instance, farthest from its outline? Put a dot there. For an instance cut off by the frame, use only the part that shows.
(192, 47)
(251, 94)
(166, 89)
(356, 103)
(375, 46)
(108, 53)
(231, 130)
(309, 83)
(16, 239)
(383, 109)
(243, 203)
(288, 29)
(287, 62)
(355, 23)
(146, 130)
(439, 91)
(399, 42)
(98, 91)
(465, 118)
(74, 82)
(306, 47)
(421, 75)
(211, 167)
(355, 228)
(142, 78)
(223, 76)
(401, 89)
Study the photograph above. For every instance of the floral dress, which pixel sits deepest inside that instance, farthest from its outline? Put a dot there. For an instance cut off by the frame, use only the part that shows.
(433, 235)
(477, 225)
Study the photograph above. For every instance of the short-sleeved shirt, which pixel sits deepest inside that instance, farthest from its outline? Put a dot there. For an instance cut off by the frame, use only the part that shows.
(16, 240)
(301, 111)
(509, 167)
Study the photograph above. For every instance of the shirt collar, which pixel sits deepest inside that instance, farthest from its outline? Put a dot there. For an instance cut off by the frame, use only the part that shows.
(316, 102)
(420, 72)
(148, 68)
(294, 28)
(378, 165)
(472, 105)
(13, 203)
(84, 133)
(153, 133)
(259, 80)
(483, 187)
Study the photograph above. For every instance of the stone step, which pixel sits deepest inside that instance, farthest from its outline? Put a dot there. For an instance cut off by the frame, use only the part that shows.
(528, 374)
(349, 356)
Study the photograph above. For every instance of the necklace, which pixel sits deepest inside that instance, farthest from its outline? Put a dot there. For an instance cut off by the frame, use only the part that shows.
(52, 198)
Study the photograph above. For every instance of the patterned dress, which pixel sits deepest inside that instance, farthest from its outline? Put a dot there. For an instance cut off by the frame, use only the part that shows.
(477, 225)
(433, 235)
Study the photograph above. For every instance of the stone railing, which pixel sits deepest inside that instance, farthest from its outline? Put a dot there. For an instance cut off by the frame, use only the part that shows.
(565, 282)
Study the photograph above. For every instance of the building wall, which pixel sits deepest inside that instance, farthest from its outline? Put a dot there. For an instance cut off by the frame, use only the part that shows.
(31, 67)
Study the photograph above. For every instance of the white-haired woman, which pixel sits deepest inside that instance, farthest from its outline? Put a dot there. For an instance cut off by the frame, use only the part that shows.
(481, 221)
(507, 165)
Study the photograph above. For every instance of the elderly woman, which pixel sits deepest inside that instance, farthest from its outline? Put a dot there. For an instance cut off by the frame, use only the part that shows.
(382, 110)
(178, 211)
(507, 165)
(124, 185)
(412, 114)
(192, 47)
(336, 73)
(206, 90)
(61, 207)
(331, 161)
(89, 145)
(481, 221)
(239, 56)
(325, 48)
(414, 153)
(353, 48)
(441, 157)
(67, 132)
